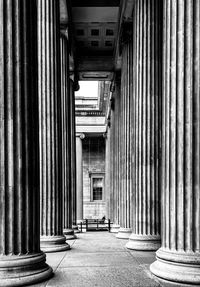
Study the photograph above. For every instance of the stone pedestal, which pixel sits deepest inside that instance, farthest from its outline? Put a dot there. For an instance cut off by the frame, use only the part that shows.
(69, 234)
(114, 228)
(178, 259)
(124, 233)
(75, 228)
(21, 260)
(145, 125)
(50, 125)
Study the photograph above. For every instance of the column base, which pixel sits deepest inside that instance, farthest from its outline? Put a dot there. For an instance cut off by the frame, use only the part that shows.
(114, 228)
(124, 233)
(177, 267)
(53, 243)
(75, 228)
(20, 270)
(69, 234)
(144, 242)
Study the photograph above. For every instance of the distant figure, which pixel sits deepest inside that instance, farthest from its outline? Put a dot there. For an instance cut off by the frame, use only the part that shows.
(103, 218)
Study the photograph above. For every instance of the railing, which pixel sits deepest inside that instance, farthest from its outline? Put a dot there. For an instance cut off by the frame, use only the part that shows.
(95, 225)
(90, 113)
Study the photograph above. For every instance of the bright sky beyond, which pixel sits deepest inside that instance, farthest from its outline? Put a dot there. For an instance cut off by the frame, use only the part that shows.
(87, 89)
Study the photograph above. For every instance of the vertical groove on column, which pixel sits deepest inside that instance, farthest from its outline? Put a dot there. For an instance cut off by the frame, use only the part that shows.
(21, 261)
(114, 128)
(118, 141)
(179, 259)
(196, 125)
(52, 238)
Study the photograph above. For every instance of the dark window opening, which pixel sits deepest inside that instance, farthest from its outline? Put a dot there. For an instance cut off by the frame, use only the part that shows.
(108, 43)
(94, 43)
(95, 32)
(97, 188)
(109, 32)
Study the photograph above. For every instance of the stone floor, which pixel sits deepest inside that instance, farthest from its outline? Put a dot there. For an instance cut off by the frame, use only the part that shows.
(100, 259)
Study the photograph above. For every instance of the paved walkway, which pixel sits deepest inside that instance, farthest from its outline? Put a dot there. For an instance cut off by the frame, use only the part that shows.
(100, 259)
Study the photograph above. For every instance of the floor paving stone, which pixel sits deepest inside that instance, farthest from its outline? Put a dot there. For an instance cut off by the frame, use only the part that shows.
(100, 259)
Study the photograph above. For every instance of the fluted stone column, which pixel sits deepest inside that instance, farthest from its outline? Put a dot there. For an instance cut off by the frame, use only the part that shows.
(147, 59)
(79, 176)
(113, 176)
(52, 238)
(117, 154)
(111, 193)
(66, 137)
(178, 259)
(73, 88)
(21, 260)
(124, 136)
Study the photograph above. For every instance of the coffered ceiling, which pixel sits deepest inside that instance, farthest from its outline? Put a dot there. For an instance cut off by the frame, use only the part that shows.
(95, 26)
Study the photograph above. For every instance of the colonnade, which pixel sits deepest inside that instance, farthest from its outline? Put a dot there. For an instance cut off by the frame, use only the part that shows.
(154, 137)
(37, 142)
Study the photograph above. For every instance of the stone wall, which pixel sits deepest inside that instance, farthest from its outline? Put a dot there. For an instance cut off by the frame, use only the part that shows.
(93, 164)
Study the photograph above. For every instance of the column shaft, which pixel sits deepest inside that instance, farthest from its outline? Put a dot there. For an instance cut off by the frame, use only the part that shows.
(179, 257)
(66, 136)
(73, 155)
(50, 117)
(21, 261)
(147, 38)
(79, 177)
(125, 188)
(111, 210)
(113, 167)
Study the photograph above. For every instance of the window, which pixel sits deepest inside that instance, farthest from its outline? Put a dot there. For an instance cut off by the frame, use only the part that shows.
(94, 43)
(108, 43)
(95, 32)
(97, 187)
(109, 32)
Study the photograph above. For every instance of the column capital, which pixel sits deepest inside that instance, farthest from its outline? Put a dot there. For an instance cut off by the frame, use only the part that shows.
(126, 34)
(64, 31)
(74, 79)
(80, 135)
(105, 135)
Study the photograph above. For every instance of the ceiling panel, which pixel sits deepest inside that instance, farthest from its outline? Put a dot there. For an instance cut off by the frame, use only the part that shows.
(95, 14)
